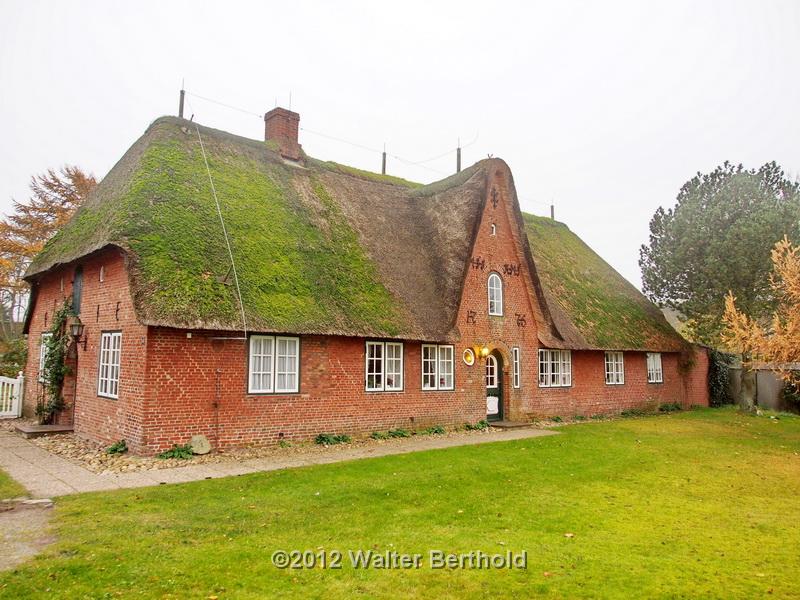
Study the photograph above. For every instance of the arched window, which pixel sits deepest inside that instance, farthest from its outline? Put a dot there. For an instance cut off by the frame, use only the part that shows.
(495, 286)
(491, 372)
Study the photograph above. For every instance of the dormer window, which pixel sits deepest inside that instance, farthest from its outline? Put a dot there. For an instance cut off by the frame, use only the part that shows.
(495, 289)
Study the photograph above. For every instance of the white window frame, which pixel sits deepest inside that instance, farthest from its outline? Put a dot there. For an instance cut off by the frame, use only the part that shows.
(43, 354)
(110, 364)
(430, 366)
(655, 370)
(615, 368)
(444, 364)
(555, 368)
(496, 303)
(269, 367)
(491, 365)
(102, 275)
(289, 374)
(515, 371)
(382, 362)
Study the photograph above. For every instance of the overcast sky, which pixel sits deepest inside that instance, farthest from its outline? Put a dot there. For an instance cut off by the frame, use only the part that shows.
(603, 108)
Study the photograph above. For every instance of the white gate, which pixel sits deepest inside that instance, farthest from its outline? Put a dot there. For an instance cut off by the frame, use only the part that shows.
(11, 397)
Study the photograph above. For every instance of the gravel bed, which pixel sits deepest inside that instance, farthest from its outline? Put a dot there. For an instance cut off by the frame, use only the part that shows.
(93, 456)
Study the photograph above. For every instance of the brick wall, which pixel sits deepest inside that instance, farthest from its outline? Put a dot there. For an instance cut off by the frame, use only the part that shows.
(590, 395)
(198, 385)
(105, 306)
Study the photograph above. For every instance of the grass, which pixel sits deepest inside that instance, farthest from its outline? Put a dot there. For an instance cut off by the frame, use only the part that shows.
(693, 504)
(10, 488)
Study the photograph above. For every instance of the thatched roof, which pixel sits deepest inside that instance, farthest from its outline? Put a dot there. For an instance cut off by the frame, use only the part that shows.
(592, 305)
(321, 248)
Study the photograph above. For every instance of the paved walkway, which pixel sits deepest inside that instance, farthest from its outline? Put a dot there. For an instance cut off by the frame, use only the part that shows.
(46, 475)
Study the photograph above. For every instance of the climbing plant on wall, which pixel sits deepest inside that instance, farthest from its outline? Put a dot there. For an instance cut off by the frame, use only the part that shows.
(55, 366)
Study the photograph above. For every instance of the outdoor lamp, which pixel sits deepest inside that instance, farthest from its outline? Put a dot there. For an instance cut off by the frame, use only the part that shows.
(481, 351)
(76, 330)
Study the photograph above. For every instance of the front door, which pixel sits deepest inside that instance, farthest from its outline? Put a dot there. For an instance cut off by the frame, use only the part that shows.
(494, 387)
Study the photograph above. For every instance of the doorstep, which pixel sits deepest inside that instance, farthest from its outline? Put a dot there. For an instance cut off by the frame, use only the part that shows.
(29, 431)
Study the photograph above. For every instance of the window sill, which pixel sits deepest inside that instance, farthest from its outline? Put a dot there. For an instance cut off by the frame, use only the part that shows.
(553, 387)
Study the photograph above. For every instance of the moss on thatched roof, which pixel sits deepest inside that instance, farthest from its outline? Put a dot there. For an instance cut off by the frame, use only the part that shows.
(317, 249)
(602, 307)
(324, 248)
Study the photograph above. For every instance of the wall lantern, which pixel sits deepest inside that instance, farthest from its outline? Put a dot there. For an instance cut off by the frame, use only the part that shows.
(481, 350)
(76, 330)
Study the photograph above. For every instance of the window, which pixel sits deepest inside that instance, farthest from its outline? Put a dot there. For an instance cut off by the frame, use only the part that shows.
(494, 229)
(384, 367)
(274, 365)
(394, 366)
(555, 368)
(43, 355)
(495, 286)
(437, 367)
(491, 372)
(102, 273)
(286, 364)
(77, 290)
(655, 374)
(515, 363)
(615, 368)
(108, 373)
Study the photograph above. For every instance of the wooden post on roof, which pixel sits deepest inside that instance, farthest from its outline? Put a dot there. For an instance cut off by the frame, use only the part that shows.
(180, 105)
(458, 157)
(383, 163)
(553, 212)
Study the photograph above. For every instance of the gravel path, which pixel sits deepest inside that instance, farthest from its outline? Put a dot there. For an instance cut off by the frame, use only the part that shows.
(46, 474)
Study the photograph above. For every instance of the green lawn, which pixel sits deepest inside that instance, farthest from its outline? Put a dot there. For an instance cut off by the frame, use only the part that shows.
(9, 488)
(703, 503)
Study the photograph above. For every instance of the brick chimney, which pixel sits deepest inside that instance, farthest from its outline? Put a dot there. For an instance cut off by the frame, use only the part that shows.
(282, 126)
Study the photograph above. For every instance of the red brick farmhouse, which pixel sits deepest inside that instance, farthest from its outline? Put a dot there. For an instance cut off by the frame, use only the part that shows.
(367, 302)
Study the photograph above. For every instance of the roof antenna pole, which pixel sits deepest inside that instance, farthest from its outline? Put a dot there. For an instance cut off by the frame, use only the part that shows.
(458, 157)
(180, 104)
(383, 163)
(553, 212)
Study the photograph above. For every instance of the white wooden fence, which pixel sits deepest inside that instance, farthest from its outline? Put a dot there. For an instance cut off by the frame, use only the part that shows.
(11, 397)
